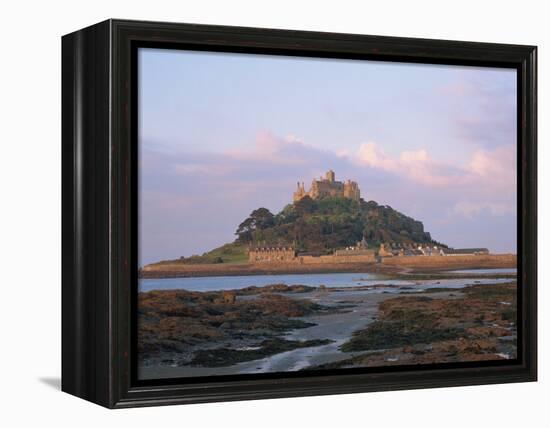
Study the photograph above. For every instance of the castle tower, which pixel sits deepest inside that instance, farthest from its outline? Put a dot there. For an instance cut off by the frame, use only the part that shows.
(351, 190)
(328, 187)
(299, 193)
(314, 190)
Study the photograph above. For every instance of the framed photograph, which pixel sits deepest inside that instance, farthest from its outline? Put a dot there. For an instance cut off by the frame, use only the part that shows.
(252, 213)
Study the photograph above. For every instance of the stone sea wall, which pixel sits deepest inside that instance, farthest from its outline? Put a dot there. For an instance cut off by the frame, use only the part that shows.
(330, 259)
(226, 269)
(323, 264)
(468, 261)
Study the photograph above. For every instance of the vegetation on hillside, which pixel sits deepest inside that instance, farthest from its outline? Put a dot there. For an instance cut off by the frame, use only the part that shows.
(320, 226)
(234, 252)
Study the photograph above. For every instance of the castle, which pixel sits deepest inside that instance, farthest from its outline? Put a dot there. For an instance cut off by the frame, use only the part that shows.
(359, 253)
(328, 186)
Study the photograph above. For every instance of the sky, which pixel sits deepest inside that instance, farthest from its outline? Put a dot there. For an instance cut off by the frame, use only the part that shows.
(221, 134)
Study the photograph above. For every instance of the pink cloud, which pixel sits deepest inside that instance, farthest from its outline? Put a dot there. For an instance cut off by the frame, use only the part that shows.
(371, 155)
(413, 164)
(485, 166)
(274, 148)
(498, 165)
(484, 183)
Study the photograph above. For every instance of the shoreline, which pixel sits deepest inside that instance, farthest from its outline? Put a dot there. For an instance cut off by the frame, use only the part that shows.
(356, 312)
(313, 329)
(390, 265)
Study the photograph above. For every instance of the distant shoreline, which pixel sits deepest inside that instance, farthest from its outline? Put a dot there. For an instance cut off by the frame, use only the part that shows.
(419, 264)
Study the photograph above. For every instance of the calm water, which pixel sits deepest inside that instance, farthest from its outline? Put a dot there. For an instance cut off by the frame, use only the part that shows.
(236, 282)
(314, 280)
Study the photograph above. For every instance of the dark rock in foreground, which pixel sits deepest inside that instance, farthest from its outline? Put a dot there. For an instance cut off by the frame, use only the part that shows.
(227, 357)
(173, 325)
(481, 324)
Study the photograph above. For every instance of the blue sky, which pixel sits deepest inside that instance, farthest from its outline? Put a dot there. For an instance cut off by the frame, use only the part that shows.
(221, 134)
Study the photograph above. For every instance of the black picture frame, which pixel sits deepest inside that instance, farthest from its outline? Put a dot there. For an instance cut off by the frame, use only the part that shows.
(99, 227)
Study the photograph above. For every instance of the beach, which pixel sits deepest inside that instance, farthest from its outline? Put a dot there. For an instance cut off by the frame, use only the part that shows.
(291, 327)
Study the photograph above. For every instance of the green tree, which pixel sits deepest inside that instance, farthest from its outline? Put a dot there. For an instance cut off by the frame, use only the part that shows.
(259, 219)
(305, 206)
(323, 225)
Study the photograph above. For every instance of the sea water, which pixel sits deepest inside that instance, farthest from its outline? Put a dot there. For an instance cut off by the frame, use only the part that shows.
(329, 280)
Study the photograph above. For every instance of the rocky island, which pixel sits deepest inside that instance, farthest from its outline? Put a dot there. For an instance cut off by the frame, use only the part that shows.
(331, 281)
(329, 228)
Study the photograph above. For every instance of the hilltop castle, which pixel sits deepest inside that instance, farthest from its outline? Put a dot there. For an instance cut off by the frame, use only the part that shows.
(328, 186)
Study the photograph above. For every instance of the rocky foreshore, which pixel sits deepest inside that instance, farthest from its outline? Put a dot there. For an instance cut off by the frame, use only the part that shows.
(317, 328)
(179, 327)
(472, 324)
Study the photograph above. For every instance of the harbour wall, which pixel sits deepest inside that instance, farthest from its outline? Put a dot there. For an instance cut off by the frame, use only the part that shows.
(465, 261)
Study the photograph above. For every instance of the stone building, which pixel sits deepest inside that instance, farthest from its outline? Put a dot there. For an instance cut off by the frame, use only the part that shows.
(271, 254)
(281, 254)
(415, 249)
(328, 187)
(464, 251)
